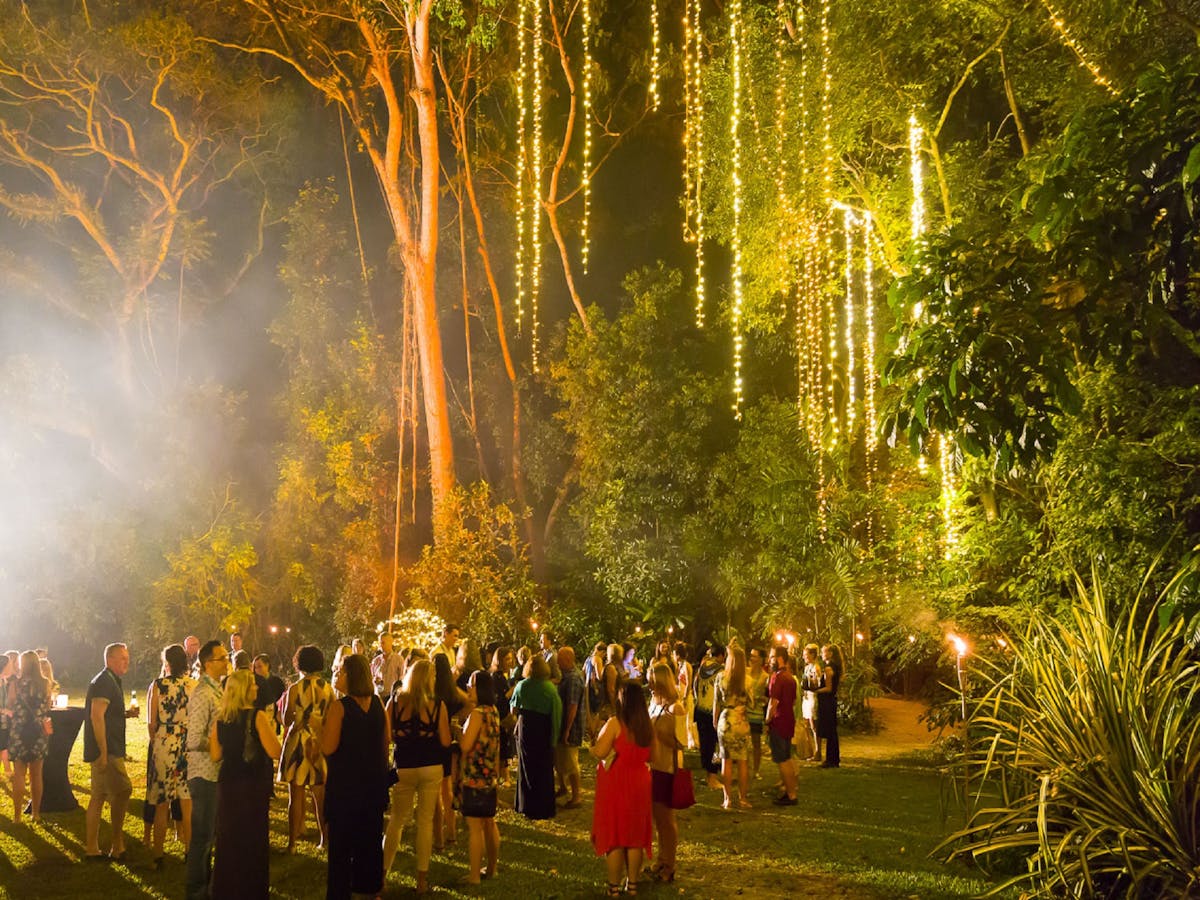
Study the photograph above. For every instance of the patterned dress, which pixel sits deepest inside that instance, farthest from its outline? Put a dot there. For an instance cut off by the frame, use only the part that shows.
(482, 762)
(168, 781)
(733, 727)
(28, 741)
(302, 762)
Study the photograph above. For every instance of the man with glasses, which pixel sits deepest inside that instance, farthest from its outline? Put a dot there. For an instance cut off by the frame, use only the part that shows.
(204, 704)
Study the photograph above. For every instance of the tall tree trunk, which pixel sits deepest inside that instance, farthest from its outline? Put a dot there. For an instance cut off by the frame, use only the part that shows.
(422, 272)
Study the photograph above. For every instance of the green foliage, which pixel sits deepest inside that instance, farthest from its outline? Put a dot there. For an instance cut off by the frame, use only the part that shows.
(1083, 755)
(209, 582)
(329, 536)
(478, 573)
(1092, 261)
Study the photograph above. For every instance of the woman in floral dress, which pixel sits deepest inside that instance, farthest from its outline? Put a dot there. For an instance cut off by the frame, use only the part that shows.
(29, 700)
(302, 767)
(733, 726)
(480, 745)
(168, 738)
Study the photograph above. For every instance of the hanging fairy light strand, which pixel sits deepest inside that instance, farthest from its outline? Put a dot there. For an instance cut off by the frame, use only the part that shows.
(535, 229)
(916, 173)
(787, 238)
(949, 492)
(655, 38)
(586, 14)
(522, 160)
(735, 41)
(827, 211)
(869, 381)
(697, 93)
(849, 220)
(1081, 54)
(870, 439)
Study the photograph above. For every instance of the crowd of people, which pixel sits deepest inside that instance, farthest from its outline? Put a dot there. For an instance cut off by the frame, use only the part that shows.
(425, 737)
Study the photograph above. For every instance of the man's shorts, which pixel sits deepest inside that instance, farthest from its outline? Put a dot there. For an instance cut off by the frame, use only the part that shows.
(111, 782)
(566, 759)
(781, 747)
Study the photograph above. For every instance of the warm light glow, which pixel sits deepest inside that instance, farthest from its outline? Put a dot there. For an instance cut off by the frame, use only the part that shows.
(535, 230)
(533, 625)
(1002, 643)
(655, 99)
(694, 145)
(858, 636)
(61, 701)
(916, 175)
(949, 492)
(848, 222)
(523, 161)
(791, 639)
(586, 14)
(274, 629)
(871, 437)
(827, 211)
(960, 645)
(912, 638)
(1084, 58)
(735, 41)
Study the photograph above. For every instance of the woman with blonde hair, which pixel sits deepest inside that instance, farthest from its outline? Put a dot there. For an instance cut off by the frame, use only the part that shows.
(669, 716)
(29, 742)
(243, 741)
(811, 682)
(730, 701)
(420, 728)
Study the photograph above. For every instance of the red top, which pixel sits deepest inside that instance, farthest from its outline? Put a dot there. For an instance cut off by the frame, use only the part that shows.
(783, 690)
(621, 817)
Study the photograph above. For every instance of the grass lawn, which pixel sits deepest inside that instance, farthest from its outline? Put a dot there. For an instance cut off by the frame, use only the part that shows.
(863, 831)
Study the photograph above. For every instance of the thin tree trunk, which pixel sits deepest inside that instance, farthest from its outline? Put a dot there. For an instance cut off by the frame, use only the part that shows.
(552, 202)
(1012, 105)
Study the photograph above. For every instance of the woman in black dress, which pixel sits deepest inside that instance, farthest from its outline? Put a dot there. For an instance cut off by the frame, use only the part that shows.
(243, 741)
(355, 743)
(502, 688)
(539, 721)
(827, 705)
(445, 826)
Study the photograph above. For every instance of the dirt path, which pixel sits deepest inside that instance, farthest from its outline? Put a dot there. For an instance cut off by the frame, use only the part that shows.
(900, 731)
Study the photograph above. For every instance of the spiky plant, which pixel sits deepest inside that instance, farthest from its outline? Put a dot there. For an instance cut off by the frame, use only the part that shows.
(1084, 756)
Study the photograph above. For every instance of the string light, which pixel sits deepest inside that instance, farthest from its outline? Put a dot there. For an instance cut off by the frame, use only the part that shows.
(535, 230)
(781, 155)
(827, 205)
(1083, 56)
(697, 157)
(522, 159)
(848, 222)
(735, 41)
(871, 437)
(949, 490)
(586, 14)
(916, 173)
(654, 57)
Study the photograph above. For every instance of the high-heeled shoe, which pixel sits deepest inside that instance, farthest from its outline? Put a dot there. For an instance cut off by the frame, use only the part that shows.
(665, 874)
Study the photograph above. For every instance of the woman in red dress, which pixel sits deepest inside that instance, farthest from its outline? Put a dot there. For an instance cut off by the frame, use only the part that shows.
(622, 824)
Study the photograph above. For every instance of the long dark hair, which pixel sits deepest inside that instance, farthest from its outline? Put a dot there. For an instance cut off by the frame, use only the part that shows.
(443, 682)
(633, 714)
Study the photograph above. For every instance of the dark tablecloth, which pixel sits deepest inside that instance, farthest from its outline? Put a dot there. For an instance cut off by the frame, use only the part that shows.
(57, 795)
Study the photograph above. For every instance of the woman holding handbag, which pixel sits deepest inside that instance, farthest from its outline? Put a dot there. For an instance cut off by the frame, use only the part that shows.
(670, 783)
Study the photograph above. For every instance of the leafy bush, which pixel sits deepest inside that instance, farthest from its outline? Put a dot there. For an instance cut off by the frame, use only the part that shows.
(1083, 755)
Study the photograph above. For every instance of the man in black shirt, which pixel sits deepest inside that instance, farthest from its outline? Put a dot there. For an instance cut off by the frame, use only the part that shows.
(104, 748)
